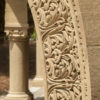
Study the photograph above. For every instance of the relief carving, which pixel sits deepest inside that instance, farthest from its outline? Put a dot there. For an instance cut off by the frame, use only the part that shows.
(60, 41)
(18, 35)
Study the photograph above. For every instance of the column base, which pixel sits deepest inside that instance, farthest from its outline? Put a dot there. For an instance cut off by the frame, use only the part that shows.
(37, 82)
(19, 97)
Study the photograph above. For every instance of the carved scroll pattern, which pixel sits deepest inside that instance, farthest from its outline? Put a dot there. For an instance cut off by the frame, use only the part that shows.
(60, 49)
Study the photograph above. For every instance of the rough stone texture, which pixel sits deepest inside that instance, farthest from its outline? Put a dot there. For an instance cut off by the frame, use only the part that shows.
(90, 10)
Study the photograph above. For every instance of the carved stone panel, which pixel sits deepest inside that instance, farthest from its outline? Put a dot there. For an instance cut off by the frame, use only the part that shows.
(59, 25)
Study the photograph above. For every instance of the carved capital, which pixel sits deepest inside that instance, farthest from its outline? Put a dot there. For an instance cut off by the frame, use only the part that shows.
(18, 35)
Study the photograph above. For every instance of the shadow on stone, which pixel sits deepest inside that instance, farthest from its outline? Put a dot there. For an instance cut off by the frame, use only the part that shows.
(40, 98)
(32, 59)
(2, 20)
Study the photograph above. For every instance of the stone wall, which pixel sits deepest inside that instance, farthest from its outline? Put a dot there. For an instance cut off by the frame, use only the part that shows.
(90, 10)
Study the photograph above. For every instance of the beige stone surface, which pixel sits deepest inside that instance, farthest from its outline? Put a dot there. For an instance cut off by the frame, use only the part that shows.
(90, 10)
(39, 80)
(14, 14)
(59, 26)
(94, 60)
(16, 26)
(91, 18)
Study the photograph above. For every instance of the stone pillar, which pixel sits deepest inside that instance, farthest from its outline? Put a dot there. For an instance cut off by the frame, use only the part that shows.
(18, 66)
(38, 80)
(16, 27)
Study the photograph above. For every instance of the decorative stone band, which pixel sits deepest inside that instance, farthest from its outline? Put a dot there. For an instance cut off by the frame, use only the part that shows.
(59, 25)
(18, 35)
(17, 32)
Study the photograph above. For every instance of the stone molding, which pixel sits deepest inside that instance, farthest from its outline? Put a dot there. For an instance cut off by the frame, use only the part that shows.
(18, 35)
(60, 27)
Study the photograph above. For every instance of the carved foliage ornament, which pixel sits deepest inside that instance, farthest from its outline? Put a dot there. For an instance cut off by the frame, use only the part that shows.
(61, 49)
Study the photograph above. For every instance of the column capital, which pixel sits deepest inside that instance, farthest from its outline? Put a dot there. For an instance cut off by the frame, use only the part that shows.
(18, 35)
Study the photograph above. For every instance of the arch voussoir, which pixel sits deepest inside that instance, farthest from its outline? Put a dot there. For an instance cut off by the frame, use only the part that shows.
(59, 26)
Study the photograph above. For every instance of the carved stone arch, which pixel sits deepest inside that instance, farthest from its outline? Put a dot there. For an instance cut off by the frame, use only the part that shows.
(60, 29)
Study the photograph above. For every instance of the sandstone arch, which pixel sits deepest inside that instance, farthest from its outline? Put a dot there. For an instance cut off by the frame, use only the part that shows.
(60, 29)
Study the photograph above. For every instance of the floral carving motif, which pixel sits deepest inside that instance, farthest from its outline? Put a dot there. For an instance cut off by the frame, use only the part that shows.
(61, 51)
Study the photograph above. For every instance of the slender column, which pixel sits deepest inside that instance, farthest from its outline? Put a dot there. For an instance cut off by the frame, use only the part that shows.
(18, 66)
(18, 63)
(38, 80)
(16, 26)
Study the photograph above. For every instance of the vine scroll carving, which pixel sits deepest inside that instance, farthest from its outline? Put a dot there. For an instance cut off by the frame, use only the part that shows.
(58, 25)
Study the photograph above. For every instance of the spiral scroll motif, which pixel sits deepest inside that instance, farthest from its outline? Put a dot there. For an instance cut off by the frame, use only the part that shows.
(60, 49)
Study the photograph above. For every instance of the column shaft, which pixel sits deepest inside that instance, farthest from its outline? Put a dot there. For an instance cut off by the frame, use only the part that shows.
(19, 66)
